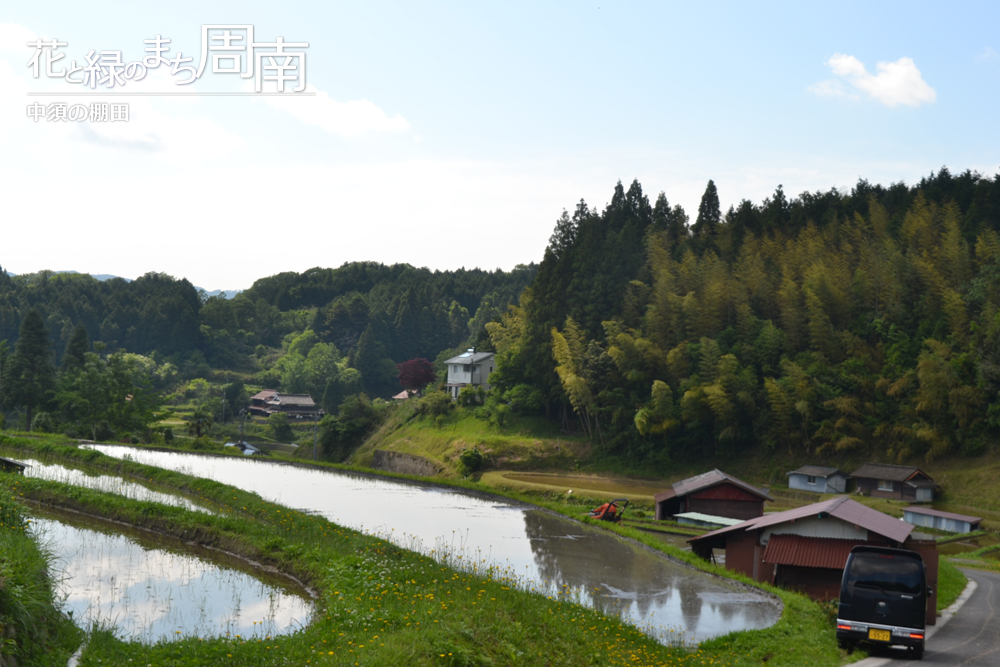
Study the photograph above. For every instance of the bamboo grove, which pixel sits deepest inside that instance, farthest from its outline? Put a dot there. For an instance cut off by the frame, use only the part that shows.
(857, 324)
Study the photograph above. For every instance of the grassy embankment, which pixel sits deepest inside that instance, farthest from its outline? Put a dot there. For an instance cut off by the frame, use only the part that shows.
(524, 446)
(32, 629)
(803, 636)
(379, 604)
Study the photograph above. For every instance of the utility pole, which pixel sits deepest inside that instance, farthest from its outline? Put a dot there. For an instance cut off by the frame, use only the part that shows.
(315, 425)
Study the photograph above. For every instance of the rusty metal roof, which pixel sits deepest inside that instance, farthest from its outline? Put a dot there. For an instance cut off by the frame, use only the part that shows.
(888, 472)
(809, 551)
(841, 507)
(943, 515)
(705, 480)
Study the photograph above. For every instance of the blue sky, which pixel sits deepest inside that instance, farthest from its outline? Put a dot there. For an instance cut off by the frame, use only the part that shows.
(440, 123)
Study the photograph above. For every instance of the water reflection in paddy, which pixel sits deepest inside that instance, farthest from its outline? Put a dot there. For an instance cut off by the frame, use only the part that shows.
(592, 565)
(107, 483)
(147, 590)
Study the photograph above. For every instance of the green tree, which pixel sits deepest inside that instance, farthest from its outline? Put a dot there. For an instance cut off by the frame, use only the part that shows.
(32, 376)
(199, 422)
(76, 350)
(709, 214)
(280, 429)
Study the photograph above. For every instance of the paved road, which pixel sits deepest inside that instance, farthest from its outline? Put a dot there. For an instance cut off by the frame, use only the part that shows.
(972, 637)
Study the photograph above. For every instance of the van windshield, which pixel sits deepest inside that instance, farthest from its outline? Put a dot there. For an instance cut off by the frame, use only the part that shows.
(888, 573)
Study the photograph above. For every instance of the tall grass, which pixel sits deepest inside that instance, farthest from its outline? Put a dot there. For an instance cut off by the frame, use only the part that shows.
(32, 629)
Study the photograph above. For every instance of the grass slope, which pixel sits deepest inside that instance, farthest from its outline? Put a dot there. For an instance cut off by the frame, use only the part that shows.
(378, 604)
(33, 632)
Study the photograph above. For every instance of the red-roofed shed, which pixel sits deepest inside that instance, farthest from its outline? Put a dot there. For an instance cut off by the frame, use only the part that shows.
(715, 493)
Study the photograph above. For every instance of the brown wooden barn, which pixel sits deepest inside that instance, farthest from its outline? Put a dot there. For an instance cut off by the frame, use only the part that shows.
(885, 480)
(806, 548)
(714, 493)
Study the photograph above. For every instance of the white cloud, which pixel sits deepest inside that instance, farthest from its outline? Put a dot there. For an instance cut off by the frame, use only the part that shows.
(896, 83)
(346, 119)
(164, 126)
(988, 55)
(14, 37)
(832, 88)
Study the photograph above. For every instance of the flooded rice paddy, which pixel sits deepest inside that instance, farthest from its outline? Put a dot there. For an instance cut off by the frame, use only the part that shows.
(54, 472)
(150, 588)
(602, 485)
(672, 602)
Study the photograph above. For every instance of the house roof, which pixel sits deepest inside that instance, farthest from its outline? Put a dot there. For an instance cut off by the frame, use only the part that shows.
(817, 471)
(264, 395)
(888, 472)
(841, 507)
(304, 400)
(402, 396)
(944, 515)
(469, 358)
(704, 481)
(809, 551)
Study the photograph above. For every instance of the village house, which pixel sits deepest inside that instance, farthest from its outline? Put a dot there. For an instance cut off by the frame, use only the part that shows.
(806, 548)
(818, 479)
(885, 480)
(713, 493)
(469, 369)
(271, 401)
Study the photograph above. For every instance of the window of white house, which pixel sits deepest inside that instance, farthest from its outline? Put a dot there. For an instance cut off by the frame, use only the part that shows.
(810, 479)
(884, 485)
(467, 368)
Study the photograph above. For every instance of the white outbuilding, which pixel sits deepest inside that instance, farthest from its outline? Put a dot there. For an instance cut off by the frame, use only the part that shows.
(818, 479)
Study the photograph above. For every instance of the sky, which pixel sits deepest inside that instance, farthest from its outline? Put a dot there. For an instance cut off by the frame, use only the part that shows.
(451, 134)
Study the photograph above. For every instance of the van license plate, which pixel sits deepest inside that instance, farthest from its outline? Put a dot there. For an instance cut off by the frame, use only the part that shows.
(878, 635)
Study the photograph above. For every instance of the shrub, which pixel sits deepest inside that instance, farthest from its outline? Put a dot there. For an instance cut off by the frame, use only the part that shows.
(471, 396)
(470, 460)
(42, 422)
(103, 431)
(435, 404)
(168, 435)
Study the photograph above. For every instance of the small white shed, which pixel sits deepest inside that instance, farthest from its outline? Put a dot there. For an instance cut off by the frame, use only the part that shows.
(818, 479)
(931, 518)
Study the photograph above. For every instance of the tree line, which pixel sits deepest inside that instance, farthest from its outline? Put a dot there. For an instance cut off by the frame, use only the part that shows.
(862, 322)
(331, 333)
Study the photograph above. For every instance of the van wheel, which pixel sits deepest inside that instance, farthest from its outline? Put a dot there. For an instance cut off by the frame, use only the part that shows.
(917, 653)
(847, 644)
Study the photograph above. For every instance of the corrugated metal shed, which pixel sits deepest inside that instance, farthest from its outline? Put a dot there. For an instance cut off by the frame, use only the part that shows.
(843, 508)
(805, 551)
(943, 515)
(817, 471)
(705, 480)
(889, 472)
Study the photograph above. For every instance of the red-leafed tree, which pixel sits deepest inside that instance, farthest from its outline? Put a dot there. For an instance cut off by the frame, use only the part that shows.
(416, 373)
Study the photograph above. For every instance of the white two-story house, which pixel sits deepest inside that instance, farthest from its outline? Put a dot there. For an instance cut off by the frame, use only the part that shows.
(469, 368)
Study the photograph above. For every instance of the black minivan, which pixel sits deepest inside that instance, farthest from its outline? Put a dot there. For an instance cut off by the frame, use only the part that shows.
(883, 599)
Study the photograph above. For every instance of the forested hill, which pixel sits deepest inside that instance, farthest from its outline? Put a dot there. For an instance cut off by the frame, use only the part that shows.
(861, 322)
(411, 312)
